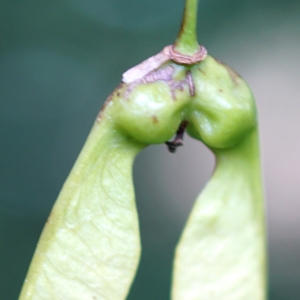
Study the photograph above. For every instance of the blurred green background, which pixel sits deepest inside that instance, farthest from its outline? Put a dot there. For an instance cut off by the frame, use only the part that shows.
(59, 60)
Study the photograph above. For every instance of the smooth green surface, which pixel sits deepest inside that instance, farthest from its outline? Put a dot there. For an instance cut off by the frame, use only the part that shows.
(223, 110)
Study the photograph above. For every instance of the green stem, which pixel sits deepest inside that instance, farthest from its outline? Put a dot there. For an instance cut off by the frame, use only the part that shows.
(186, 42)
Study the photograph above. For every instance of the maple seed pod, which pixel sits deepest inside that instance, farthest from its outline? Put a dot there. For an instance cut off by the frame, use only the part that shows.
(90, 245)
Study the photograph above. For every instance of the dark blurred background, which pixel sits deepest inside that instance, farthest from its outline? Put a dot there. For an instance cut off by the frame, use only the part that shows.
(59, 60)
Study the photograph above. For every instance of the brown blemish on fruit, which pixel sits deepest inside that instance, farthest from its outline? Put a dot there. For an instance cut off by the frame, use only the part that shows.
(165, 74)
(154, 119)
(190, 81)
(115, 92)
(220, 90)
(234, 75)
(202, 71)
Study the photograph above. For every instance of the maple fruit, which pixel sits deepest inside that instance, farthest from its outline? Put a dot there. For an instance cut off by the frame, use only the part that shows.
(90, 246)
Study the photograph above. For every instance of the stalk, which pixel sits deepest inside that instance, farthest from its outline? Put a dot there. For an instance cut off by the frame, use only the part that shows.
(187, 43)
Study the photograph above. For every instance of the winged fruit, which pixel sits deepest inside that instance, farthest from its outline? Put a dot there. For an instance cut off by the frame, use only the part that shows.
(90, 245)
